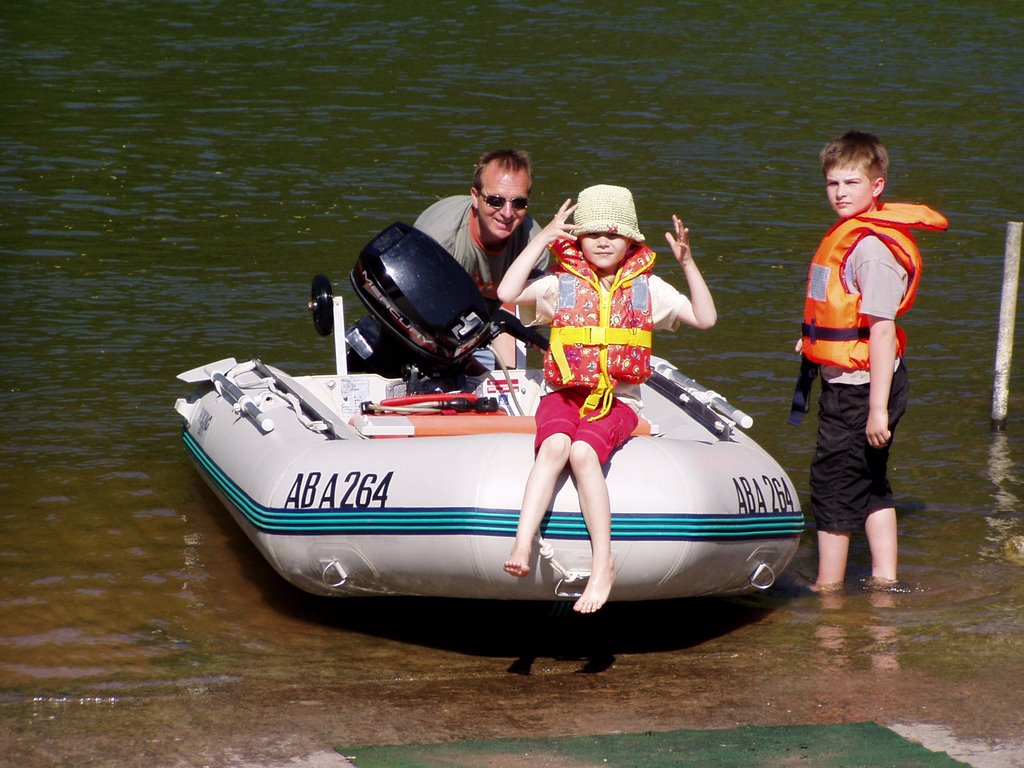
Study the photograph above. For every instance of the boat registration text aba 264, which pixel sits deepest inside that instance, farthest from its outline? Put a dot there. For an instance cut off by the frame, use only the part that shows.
(763, 496)
(360, 490)
(354, 490)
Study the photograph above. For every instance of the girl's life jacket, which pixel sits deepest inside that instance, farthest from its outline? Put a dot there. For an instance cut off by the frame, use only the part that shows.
(600, 336)
(834, 332)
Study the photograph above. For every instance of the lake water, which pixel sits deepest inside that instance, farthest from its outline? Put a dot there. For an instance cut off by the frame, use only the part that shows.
(173, 174)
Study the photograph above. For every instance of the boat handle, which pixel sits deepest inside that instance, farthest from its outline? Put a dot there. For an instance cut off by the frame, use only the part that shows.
(762, 577)
(241, 401)
(572, 585)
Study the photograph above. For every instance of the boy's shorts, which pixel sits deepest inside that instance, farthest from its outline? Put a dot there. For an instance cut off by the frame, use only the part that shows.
(559, 413)
(848, 476)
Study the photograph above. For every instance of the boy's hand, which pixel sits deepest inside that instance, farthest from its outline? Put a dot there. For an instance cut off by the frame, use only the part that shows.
(558, 226)
(877, 430)
(680, 242)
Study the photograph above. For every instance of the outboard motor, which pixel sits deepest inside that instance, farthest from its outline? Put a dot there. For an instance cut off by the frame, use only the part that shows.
(427, 315)
(421, 301)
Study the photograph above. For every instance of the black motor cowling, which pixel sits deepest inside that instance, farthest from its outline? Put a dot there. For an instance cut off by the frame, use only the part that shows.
(421, 297)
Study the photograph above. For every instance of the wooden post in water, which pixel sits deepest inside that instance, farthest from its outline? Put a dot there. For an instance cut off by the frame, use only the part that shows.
(1007, 318)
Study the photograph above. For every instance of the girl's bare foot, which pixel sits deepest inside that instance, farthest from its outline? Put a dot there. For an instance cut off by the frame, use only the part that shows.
(518, 560)
(516, 567)
(599, 586)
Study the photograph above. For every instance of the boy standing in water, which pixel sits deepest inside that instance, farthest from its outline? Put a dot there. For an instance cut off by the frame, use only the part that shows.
(864, 274)
(602, 288)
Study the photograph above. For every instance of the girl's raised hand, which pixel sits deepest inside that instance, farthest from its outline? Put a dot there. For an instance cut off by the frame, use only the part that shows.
(558, 226)
(679, 242)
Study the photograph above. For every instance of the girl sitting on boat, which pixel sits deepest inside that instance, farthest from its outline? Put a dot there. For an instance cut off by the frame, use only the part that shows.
(602, 302)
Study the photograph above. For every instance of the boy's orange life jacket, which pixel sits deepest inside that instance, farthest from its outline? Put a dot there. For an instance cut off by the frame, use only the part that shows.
(834, 332)
(600, 337)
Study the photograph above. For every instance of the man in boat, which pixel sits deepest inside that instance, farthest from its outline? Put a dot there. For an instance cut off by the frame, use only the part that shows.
(488, 228)
(864, 274)
(602, 303)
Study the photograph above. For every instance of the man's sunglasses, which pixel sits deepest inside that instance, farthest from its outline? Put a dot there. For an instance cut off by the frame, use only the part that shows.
(497, 202)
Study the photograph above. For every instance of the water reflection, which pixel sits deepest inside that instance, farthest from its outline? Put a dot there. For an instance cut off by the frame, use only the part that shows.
(848, 633)
(1002, 471)
(1006, 522)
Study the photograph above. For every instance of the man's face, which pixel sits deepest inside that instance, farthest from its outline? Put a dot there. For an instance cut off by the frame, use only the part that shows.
(498, 224)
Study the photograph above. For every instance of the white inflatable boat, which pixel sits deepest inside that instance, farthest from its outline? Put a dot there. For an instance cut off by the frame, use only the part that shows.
(402, 472)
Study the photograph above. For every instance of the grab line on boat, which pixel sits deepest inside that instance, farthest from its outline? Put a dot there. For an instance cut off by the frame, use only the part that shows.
(307, 400)
(573, 578)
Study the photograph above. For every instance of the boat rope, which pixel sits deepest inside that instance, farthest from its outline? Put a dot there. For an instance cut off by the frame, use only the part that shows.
(313, 425)
(271, 383)
(548, 553)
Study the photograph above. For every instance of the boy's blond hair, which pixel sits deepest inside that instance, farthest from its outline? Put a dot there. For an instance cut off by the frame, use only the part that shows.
(856, 149)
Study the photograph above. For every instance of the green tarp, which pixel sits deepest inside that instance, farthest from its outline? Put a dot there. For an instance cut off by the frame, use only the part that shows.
(854, 745)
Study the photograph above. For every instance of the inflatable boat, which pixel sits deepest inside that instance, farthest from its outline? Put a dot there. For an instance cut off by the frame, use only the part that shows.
(402, 472)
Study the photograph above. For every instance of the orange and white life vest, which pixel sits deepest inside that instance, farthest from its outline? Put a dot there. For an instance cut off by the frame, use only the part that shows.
(600, 336)
(834, 331)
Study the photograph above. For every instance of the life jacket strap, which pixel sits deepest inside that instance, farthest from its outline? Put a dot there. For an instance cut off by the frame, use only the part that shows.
(802, 392)
(816, 332)
(599, 401)
(592, 335)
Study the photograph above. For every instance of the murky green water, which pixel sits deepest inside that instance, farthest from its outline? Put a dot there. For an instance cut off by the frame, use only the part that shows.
(172, 174)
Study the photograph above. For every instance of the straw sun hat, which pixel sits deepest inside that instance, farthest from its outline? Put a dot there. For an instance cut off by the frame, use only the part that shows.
(605, 208)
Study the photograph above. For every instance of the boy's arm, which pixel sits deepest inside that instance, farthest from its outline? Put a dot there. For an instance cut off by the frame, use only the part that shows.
(700, 312)
(882, 282)
(882, 357)
(513, 284)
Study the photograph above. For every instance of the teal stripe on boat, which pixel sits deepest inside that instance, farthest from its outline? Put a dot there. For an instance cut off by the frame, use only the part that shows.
(483, 522)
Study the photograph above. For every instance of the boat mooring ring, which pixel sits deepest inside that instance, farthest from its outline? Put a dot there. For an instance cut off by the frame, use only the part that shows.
(762, 577)
(321, 304)
(335, 579)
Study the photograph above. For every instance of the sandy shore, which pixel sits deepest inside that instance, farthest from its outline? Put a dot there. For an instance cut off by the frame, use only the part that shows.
(298, 722)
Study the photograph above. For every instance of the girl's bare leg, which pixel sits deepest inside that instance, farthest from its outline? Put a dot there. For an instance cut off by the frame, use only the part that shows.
(596, 507)
(540, 487)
